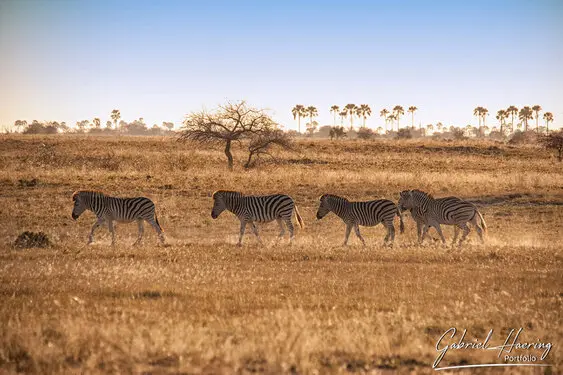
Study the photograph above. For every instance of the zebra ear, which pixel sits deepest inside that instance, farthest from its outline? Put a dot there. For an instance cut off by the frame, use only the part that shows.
(74, 195)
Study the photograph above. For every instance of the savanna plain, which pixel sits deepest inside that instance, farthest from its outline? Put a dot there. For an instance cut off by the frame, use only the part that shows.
(204, 305)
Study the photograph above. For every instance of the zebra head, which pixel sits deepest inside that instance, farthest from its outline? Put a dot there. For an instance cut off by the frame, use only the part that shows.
(405, 200)
(324, 206)
(79, 205)
(223, 200)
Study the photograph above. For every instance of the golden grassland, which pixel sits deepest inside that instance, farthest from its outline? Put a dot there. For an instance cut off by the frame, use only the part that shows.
(203, 305)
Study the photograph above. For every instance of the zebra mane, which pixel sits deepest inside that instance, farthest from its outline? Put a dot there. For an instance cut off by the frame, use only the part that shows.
(226, 192)
(78, 192)
(334, 197)
(422, 193)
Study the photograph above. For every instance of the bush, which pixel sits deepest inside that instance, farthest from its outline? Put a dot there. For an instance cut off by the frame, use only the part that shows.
(523, 138)
(365, 133)
(404, 134)
(28, 240)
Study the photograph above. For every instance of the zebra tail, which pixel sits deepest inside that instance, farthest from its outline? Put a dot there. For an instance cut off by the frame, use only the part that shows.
(299, 219)
(402, 224)
(482, 221)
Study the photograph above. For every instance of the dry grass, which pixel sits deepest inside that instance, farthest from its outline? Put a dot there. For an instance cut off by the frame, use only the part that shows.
(203, 305)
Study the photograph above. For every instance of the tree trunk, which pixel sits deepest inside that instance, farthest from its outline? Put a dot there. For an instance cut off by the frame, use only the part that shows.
(247, 164)
(228, 154)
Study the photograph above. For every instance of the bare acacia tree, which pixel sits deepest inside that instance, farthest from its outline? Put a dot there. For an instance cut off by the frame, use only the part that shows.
(261, 144)
(231, 122)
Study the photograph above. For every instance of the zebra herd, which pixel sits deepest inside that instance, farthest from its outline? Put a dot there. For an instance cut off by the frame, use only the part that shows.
(249, 209)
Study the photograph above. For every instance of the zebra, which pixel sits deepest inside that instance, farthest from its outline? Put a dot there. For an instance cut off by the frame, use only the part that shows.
(261, 209)
(354, 214)
(429, 212)
(109, 209)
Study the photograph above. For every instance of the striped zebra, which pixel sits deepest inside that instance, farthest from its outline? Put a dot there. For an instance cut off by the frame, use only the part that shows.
(429, 212)
(109, 209)
(367, 214)
(261, 209)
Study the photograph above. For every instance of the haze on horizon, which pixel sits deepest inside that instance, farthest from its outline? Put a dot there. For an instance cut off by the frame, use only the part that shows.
(76, 60)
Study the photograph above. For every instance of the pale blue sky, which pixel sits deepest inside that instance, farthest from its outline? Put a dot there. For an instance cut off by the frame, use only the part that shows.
(73, 60)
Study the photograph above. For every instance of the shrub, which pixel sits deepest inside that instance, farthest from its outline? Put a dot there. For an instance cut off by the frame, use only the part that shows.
(27, 240)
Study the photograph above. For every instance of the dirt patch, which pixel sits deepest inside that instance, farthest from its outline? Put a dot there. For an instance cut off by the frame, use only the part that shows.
(492, 150)
(515, 199)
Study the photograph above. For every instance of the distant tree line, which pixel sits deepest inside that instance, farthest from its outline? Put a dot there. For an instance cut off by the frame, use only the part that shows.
(116, 126)
(393, 126)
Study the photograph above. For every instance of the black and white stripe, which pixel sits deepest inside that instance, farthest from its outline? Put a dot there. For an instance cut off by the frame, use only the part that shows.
(429, 212)
(109, 209)
(261, 209)
(354, 214)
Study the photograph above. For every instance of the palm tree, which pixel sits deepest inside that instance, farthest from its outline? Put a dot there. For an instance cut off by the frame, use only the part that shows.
(311, 112)
(390, 119)
(96, 122)
(342, 115)
(412, 109)
(484, 114)
(526, 114)
(512, 111)
(501, 116)
(363, 111)
(298, 112)
(335, 110)
(548, 117)
(350, 110)
(383, 113)
(478, 111)
(398, 111)
(115, 116)
(537, 108)
(430, 128)
(439, 126)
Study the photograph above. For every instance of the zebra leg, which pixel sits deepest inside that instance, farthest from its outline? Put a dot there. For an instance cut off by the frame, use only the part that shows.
(456, 232)
(98, 222)
(391, 230)
(282, 229)
(357, 230)
(419, 231)
(291, 229)
(348, 229)
(241, 233)
(141, 231)
(255, 230)
(112, 231)
(439, 230)
(465, 232)
(158, 229)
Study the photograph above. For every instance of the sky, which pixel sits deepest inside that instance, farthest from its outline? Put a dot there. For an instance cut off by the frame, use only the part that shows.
(63, 60)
